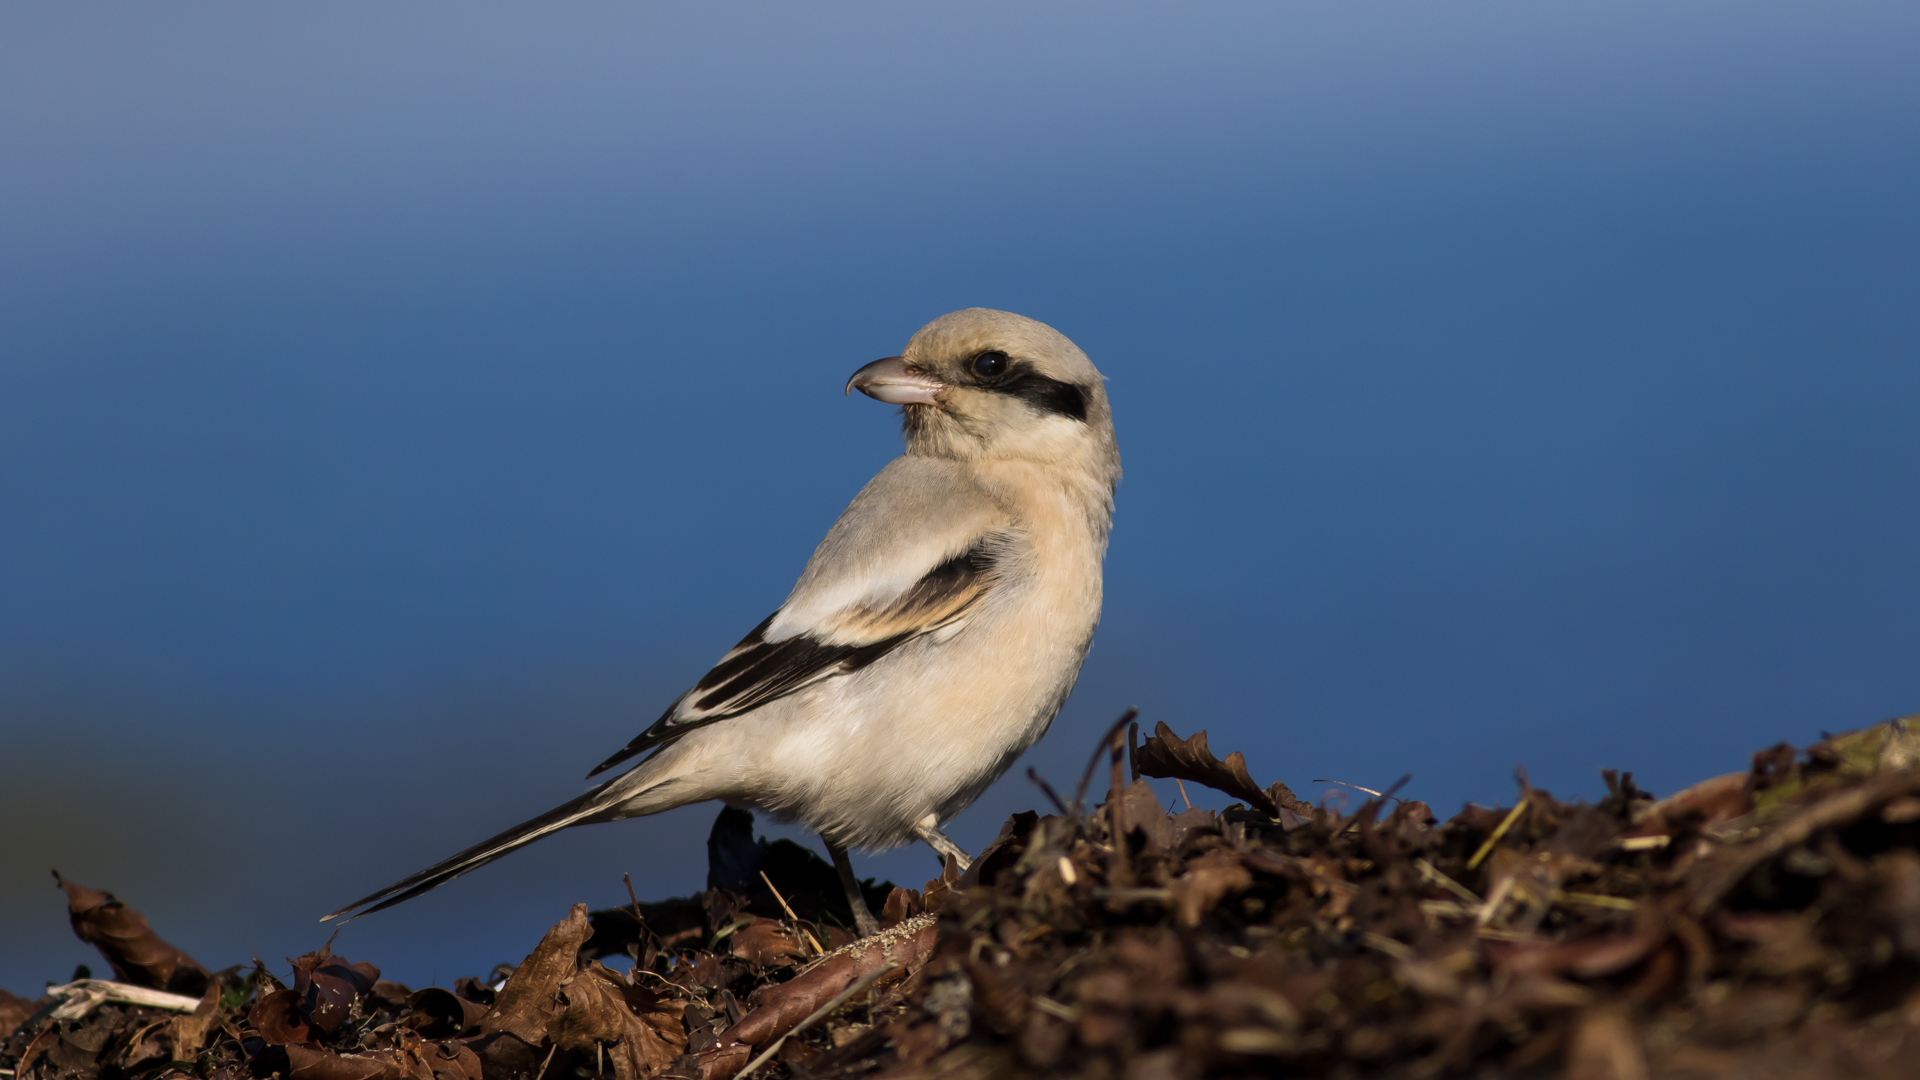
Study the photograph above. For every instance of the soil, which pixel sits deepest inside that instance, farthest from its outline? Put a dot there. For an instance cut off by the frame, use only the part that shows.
(1759, 924)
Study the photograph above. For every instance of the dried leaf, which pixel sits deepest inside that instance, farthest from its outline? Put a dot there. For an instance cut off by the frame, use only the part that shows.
(137, 954)
(525, 1005)
(1169, 756)
(189, 1032)
(280, 1020)
(328, 986)
(455, 1061)
(307, 1063)
(1147, 818)
(937, 890)
(901, 905)
(14, 1011)
(1208, 880)
(504, 1055)
(437, 1013)
(1003, 852)
(599, 1007)
(766, 942)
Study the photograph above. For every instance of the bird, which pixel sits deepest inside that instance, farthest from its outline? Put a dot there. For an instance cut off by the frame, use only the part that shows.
(930, 640)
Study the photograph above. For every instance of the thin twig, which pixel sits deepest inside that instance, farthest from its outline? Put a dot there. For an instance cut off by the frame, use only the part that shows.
(82, 996)
(1432, 873)
(1618, 903)
(1046, 789)
(669, 983)
(1370, 810)
(1495, 900)
(640, 931)
(1499, 831)
(1355, 787)
(784, 906)
(795, 919)
(1086, 778)
(1121, 872)
(1183, 792)
(817, 1015)
(638, 921)
(1398, 950)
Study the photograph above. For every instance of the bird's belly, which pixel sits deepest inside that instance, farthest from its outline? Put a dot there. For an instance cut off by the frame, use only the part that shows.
(865, 758)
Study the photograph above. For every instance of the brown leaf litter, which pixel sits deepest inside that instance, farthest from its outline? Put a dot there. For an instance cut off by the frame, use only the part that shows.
(137, 954)
(1760, 924)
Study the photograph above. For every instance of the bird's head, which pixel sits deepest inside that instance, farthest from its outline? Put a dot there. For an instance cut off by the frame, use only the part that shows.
(984, 384)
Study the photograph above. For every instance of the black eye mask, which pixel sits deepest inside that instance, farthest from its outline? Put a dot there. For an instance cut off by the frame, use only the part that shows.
(1001, 374)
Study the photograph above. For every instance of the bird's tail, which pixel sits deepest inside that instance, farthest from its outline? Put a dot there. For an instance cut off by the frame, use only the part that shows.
(577, 812)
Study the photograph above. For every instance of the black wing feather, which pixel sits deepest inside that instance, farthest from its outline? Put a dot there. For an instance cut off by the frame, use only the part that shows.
(757, 671)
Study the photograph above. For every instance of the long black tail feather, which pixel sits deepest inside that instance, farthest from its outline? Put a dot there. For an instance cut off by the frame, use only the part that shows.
(575, 812)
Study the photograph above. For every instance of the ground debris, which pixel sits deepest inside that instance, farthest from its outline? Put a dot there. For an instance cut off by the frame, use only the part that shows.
(1759, 924)
(137, 954)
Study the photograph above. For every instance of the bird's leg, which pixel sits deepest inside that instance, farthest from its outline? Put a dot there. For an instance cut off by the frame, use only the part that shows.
(863, 919)
(938, 841)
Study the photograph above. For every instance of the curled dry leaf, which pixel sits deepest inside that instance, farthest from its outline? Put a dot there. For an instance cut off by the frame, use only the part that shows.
(328, 986)
(280, 1020)
(454, 1061)
(1169, 756)
(1005, 850)
(437, 1013)
(325, 989)
(937, 890)
(137, 954)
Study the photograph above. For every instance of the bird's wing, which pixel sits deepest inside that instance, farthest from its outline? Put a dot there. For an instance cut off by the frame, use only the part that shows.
(913, 554)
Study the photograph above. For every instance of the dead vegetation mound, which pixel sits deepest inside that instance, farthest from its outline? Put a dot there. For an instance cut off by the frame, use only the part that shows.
(1760, 924)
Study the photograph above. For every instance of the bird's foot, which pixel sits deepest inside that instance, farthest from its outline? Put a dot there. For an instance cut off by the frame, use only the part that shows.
(938, 841)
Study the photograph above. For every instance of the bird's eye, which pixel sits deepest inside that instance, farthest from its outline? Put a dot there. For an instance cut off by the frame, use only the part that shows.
(989, 364)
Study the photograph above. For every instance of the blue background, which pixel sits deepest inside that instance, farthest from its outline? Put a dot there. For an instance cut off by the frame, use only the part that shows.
(400, 404)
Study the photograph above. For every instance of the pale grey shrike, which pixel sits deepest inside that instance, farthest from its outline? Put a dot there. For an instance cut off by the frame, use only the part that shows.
(930, 640)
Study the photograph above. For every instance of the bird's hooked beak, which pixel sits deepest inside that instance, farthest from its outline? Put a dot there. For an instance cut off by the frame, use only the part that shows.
(892, 381)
